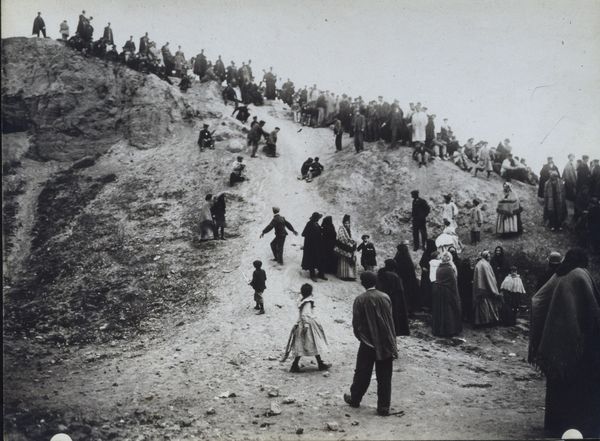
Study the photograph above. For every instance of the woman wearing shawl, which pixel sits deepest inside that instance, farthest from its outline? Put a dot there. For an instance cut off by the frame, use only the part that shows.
(307, 338)
(389, 282)
(564, 342)
(425, 266)
(486, 298)
(555, 203)
(328, 256)
(509, 212)
(345, 247)
(500, 264)
(512, 290)
(464, 280)
(406, 271)
(311, 251)
(446, 314)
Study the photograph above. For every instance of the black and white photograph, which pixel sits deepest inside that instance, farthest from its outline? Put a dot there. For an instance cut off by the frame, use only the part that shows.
(300, 220)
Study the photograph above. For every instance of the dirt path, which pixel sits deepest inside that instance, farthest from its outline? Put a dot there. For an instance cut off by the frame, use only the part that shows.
(164, 387)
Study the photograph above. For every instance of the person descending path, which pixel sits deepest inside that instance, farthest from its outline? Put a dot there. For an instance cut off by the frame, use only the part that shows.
(279, 224)
(373, 326)
(258, 282)
(307, 338)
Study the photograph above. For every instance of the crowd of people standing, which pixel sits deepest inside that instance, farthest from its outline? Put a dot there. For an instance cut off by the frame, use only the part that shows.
(451, 289)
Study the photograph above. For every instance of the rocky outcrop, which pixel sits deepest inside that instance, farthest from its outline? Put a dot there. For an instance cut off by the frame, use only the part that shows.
(78, 106)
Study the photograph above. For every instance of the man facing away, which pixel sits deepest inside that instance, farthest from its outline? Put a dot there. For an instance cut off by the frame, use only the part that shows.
(280, 225)
(373, 326)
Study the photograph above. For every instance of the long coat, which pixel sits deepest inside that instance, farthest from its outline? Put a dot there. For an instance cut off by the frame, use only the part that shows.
(389, 282)
(446, 313)
(313, 244)
(38, 25)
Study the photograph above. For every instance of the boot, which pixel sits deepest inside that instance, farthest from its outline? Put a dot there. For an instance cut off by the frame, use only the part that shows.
(322, 365)
(295, 367)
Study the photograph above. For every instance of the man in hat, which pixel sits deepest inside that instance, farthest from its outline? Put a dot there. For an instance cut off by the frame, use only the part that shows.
(108, 35)
(144, 44)
(420, 211)
(39, 26)
(81, 24)
(279, 224)
(237, 174)
(373, 326)
(360, 125)
(254, 136)
(272, 143)
(205, 139)
(554, 260)
(313, 246)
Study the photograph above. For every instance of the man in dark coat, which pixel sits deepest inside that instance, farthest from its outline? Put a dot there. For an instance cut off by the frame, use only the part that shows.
(582, 186)
(81, 24)
(254, 137)
(545, 175)
(200, 64)
(313, 247)
(360, 125)
(279, 224)
(390, 283)
(396, 122)
(144, 44)
(229, 94)
(231, 74)
(108, 35)
(242, 113)
(420, 211)
(430, 130)
(39, 26)
(129, 45)
(373, 326)
(219, 69)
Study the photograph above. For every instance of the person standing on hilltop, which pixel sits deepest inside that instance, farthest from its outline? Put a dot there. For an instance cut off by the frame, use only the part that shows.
(373, 326)
(545, 175)
(220, 69)
(419, 122)
(396, 123)
(582, 186)
(144, 44)
(129, 45)
(39, 26)
(338, 131)
(419, 213)
(64, 30)
(270, 79)
(279, 224)
(108, 35)
(81, 24)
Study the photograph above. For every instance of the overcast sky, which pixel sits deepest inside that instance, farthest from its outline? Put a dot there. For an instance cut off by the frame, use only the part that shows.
(527, 70)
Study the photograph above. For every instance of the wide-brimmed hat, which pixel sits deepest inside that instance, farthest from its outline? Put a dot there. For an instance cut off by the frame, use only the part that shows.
(315, 216)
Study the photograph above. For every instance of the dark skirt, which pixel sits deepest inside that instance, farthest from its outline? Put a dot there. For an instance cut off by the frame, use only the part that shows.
(446, 315)
(573, 404)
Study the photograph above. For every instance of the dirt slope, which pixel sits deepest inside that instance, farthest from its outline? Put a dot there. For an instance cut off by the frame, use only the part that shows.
(160, 384)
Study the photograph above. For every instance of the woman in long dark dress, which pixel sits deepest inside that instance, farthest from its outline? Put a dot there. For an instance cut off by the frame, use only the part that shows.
(425, 280)
(311, 252)
(446, 315)
(499, 264)
(389, 282)
(406, 271)
(328, 256)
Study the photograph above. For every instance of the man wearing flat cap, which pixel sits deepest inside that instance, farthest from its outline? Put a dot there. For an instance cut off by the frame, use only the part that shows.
(420, 211)
(279, 224)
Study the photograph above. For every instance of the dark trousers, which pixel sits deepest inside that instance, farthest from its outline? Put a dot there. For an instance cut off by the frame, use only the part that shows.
(394, 136)
(475, 236)
(416, 229)
(365, 359)
(254, 145)
(358, 141)
(277, 248)
(338, 141)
